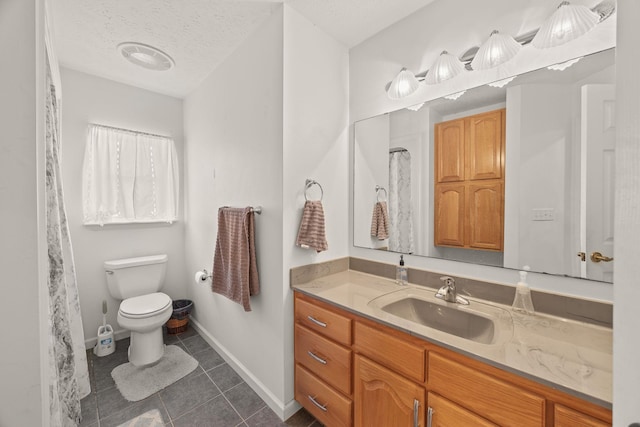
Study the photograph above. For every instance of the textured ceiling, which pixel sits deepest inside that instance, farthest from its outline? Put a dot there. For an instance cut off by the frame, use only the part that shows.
(197, 34)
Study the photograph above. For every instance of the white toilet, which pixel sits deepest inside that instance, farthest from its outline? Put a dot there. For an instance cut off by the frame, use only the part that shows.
(143, 310)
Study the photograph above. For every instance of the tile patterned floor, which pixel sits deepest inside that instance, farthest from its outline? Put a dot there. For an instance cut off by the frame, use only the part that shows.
(212, 395)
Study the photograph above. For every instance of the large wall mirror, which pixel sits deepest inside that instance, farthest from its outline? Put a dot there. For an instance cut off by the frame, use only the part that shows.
(512, 174)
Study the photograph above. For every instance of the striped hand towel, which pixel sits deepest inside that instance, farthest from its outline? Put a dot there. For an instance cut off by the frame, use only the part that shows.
(311, 233)
(380, 221)
(235, 269)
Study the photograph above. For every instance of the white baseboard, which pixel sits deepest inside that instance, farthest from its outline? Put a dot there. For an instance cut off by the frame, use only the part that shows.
(281, 409)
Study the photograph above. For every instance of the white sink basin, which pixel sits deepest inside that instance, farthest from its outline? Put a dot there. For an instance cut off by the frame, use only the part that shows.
(478, 322)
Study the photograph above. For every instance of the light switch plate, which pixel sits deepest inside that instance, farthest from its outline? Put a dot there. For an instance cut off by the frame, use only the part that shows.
(543, 214)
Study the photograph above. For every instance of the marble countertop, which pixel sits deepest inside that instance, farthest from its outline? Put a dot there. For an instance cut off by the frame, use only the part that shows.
(566, 354)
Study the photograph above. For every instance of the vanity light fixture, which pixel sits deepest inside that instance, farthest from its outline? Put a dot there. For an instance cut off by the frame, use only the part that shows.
(455, 96)
(446, 67)
(501, 83)
(564, 65)
(403, 85)
(567, 23)
(145, 56)
(498, 49)
(415, 107)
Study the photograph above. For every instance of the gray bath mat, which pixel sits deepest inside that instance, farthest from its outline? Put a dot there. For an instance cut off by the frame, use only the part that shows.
(150, 418)
(137, 383)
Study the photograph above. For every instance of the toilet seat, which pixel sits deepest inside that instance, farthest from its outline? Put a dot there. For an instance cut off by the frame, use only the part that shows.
(144, 305)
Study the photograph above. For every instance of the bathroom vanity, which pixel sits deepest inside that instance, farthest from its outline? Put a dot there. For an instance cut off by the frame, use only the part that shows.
(360, 360)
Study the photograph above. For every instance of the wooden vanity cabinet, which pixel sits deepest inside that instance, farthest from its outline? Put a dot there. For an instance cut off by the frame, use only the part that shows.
(396, 379)
(469, 187)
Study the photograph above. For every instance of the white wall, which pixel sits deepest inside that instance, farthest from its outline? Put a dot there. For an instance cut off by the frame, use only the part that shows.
(233, 134)
(626, 345)
(415, 43)
(89, 99)
(316, 146)
(23, 252)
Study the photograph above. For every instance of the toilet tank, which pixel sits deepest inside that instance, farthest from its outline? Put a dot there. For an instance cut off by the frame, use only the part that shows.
(132, 277)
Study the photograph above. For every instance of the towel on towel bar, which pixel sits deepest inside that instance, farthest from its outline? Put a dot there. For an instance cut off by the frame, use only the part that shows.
(311, 231)
(235, 270)
(380, 221)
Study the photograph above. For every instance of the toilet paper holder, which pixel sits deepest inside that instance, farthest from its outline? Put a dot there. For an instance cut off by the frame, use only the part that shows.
(204, 276)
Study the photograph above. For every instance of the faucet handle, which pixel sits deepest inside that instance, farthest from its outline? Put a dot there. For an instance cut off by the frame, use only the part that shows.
(448, 281)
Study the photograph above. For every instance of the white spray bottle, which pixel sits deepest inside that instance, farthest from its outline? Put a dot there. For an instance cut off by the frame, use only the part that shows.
(522, 302)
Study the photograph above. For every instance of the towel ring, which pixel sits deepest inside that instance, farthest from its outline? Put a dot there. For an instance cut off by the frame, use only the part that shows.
(308, 184)
(378, 190)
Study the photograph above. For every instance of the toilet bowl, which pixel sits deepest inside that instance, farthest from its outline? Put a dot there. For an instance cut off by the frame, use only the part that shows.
(144, 316)
(143, 310)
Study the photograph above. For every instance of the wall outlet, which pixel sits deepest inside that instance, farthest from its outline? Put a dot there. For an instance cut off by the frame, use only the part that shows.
(543, 214)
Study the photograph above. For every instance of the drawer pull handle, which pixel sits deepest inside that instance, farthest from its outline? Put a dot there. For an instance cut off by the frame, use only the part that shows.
(416, 420)
(429, 416)
(317, 322)
(315, 402)
(317, 358)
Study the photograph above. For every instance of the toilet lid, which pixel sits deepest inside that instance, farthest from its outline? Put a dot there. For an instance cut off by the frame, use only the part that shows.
(145, 305)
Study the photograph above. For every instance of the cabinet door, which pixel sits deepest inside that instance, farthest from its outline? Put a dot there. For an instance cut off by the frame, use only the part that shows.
(383, 398)
(567, 417)
(449, 151)
(485, 146)
(486, 215)
(443, 413)
(449, 227)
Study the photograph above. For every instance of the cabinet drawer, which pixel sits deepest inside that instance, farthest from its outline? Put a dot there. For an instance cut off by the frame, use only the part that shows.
(395, 353)
(567, 417)
(446, 413)
(496, 400)
(326, 359)
(323, 321)
(328, 406)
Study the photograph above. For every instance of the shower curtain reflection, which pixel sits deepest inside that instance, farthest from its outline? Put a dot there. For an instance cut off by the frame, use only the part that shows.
(68, 370)
(400, 212)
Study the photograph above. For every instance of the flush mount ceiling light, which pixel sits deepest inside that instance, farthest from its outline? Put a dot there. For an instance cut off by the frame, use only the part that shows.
(498, 49)
(567, 23)
(403, 85)
(446, 67)
(145, 56)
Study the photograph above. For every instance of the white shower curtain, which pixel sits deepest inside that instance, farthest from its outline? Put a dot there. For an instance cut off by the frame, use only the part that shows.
(69, 375)
(400, 212)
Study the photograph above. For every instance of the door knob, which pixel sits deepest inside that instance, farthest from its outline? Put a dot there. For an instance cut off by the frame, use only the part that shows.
(597, 257)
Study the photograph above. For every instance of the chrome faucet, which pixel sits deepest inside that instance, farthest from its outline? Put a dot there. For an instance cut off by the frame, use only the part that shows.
(448, 291)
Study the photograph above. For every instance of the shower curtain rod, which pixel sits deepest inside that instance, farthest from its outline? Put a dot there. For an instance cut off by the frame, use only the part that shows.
(397, 150)
(131, 131)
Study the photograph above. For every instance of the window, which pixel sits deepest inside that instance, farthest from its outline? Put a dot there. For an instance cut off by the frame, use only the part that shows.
(128, 177)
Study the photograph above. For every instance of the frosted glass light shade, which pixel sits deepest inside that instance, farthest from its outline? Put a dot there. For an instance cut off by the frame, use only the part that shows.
(498, 49)
(564, 65)
(403, 85)
(446, 67)
(567, 23)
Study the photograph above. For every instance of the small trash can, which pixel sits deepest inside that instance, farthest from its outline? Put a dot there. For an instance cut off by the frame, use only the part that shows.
(179, 320)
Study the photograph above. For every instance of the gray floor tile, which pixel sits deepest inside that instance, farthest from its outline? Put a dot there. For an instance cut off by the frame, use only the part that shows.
(302, 418)
(138, 408)
(190, 332)
(89, 408)
(244, 400)
(111, 401)
(195, 344)
(266, 418)
(208, 358)
(225, 377)
(188, 393)
(214, 413)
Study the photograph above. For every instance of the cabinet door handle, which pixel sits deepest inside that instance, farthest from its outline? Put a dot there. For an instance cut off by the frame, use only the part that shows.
(416, 406)
(316, 357)
(429, 416)
(315, 402)
(317, 322)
